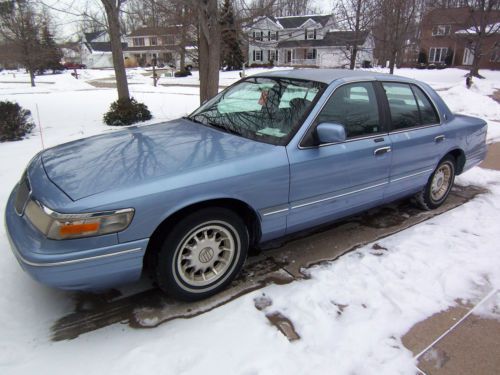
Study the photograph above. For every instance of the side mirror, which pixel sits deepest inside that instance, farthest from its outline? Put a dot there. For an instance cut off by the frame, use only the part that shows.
(328, 132)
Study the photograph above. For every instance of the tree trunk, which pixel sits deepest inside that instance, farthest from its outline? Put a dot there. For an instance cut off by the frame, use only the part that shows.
(356, 35)
(392, 62)
(32, 77)
(353, 57)
(112, 15)
(208, 48)
(474, 69)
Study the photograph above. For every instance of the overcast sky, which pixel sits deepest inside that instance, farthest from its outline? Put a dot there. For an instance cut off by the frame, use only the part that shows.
(66, 21)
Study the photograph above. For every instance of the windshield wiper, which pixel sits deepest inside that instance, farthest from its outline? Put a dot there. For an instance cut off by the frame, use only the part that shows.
(223, 128)
(193, 120)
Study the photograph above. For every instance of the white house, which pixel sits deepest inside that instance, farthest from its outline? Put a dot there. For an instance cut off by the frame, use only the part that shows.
(96, 50)
(312, 40)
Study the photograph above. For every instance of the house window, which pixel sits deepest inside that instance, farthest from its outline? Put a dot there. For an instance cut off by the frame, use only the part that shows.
(168, 40)
(468, 56)
(437, 54)
(153, 41)
(259, 35)
(311, 54)
(273, 35)
(440, 30)
(310, 34)
(495, 54)
(138, 42)
(273, 55)
(258, 55)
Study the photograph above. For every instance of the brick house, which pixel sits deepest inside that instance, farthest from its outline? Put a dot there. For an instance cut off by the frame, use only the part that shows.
(162, 43)
(446, 35)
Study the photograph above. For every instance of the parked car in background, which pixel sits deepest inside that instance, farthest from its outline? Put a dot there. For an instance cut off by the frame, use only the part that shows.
(73, 65)
(273, 154)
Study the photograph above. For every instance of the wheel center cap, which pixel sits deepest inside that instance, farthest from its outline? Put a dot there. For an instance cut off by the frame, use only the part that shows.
(206, 255)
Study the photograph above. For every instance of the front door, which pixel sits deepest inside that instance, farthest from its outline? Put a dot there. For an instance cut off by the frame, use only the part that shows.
(334, 180)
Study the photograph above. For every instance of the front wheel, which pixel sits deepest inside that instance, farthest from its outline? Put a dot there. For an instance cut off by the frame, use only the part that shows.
(202, 254)
(439, 185)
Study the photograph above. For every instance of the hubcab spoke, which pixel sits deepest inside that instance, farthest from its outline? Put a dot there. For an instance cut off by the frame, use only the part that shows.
(441, 182)
(205, 255)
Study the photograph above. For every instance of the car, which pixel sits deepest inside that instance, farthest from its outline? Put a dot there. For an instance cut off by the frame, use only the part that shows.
(73, 65)
(274, 154)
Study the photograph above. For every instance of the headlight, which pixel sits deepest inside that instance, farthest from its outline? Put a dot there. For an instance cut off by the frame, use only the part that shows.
(65, 226)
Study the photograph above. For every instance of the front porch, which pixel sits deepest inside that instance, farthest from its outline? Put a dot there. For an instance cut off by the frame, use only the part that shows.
(299, 57)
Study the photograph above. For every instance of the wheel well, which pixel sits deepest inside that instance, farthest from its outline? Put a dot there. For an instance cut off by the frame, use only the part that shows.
(249, 216)
(459, 156)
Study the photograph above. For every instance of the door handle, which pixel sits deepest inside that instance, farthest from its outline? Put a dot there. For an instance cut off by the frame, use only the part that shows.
(377, 140)
(382, 150)
(439, 138)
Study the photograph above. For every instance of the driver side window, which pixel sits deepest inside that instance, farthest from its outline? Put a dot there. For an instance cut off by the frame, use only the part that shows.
(353, 106)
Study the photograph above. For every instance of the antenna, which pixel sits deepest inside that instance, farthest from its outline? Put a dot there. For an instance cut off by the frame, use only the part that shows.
(40, 125)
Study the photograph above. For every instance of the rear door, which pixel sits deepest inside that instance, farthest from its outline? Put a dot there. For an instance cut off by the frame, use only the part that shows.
(416, 135)
(332, 180)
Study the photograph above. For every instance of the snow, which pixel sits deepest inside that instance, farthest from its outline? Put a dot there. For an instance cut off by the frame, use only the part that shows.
(491, 28)
(350, 314)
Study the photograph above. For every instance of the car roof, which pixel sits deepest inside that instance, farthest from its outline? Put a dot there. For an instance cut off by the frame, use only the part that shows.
(329, 75)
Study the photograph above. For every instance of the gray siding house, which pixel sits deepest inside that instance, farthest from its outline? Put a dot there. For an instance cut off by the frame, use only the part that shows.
(311, 40)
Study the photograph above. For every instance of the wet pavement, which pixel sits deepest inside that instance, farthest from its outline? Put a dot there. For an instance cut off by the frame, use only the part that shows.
(492, 158)
(286, 262)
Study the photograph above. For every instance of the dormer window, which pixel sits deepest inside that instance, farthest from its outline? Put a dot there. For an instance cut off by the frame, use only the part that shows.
(310, 34)
(440, 30)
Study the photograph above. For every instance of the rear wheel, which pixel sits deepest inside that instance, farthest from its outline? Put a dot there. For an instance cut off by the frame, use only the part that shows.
(202, 254)
(439, 185)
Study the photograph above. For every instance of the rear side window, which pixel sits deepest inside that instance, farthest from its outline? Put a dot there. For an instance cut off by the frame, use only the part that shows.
(355, 107)
(428, 113)
(409, 106)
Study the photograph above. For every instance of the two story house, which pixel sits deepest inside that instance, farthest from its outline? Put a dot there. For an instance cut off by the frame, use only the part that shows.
(446, 38)
(161, 43)
(95, 50)
(305, 41)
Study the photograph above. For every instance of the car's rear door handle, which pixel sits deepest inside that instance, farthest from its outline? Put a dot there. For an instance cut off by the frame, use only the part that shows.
(382, 150)
(439, 138)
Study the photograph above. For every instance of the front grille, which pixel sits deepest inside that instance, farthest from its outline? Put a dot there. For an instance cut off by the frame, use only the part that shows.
(23, 194)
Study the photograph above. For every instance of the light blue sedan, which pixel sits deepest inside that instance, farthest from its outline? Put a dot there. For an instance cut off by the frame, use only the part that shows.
(273, 154)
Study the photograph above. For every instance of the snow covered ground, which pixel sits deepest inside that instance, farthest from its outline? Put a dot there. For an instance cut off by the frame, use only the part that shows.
(351, 313)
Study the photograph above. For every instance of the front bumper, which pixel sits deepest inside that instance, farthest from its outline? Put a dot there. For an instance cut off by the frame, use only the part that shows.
(91, 264)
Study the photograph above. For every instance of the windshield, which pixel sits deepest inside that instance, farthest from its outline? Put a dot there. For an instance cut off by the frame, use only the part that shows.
(264, 109)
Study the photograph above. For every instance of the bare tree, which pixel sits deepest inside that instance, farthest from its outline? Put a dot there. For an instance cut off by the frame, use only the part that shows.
(19, 27)
(112, 8)
(208, 47)
(277, 8)
(483, 25)
(356, 16)
(396, 25)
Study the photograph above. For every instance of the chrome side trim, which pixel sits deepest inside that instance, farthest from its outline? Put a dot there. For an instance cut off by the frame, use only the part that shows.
(338, 196)
(411, 175)
(275, 212)
(73, 261)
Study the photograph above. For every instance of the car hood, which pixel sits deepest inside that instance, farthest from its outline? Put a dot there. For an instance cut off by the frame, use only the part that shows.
(138, 154)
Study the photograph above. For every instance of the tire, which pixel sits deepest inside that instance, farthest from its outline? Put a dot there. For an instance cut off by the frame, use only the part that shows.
(439, 185)
(202, 254)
